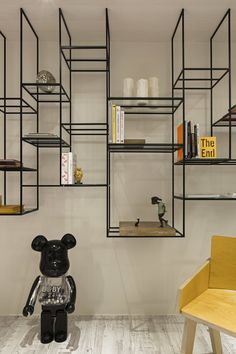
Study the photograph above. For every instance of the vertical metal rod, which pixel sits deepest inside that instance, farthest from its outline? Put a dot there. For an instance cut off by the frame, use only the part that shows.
(108, 220)
(60, 81)
(229, 67)
(38, 127)
(183, 68)
(211, 90)
(21, 110)
(172, 133)
(5, 113)
(70, 73)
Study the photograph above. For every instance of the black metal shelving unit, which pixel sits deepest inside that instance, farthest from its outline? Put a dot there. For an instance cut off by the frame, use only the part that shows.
(206, 78)
(59, 96)
(12, 107)
(76, 62)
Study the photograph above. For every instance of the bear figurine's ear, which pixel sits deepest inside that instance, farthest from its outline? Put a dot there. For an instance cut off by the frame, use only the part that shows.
(38, 243)
(69, 241)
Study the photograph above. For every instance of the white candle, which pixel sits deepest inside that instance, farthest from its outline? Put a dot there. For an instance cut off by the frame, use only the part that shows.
(142, 91)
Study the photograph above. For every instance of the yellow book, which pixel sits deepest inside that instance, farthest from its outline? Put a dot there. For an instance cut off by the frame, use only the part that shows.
(113, 123)
(208, 147)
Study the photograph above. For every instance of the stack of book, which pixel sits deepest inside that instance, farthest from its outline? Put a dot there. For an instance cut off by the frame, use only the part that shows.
(191, 140)
(10, 163)
(68, 166)
(116, 124)
(11, 209)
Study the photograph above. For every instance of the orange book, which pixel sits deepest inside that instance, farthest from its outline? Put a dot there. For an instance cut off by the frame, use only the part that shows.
(180, 140)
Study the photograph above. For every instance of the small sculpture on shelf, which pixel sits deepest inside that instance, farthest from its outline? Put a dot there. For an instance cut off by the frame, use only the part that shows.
(161, 210)
(56, 291)
(78, 175)
(45, 77)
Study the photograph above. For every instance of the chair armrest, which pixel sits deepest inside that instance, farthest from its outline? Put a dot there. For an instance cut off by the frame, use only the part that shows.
(194, 286)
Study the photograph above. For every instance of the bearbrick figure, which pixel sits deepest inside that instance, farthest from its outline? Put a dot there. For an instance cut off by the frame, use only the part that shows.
(55, 291)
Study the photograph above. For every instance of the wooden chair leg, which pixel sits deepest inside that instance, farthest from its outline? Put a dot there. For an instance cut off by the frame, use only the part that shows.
(215, 341)
(188, 336)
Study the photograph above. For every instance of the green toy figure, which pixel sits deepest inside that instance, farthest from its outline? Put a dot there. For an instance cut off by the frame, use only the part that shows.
(161, 210)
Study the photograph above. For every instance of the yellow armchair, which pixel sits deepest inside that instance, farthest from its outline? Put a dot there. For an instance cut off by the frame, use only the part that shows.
(209, 296)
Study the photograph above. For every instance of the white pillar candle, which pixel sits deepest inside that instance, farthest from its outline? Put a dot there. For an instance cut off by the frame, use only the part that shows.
(128, 87)
(142, 91)
(153, 89)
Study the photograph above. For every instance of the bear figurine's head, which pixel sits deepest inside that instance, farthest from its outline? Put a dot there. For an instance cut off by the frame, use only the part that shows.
(54, 254)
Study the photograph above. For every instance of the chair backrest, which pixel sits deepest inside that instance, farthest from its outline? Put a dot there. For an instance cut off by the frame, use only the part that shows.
(223, 263)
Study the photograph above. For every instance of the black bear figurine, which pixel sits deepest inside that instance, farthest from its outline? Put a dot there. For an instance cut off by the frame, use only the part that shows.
(56, 291)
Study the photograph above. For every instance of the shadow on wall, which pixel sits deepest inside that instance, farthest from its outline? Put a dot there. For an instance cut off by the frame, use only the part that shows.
(32, 337)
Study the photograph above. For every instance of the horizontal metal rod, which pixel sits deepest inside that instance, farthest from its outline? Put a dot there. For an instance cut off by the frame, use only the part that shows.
(83, 47)
(146, 98)
(88, 71)
(89, 124)
(86, 60)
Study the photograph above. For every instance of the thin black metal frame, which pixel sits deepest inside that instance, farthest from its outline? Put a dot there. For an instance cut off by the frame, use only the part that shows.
(181, 78)
(12, 106)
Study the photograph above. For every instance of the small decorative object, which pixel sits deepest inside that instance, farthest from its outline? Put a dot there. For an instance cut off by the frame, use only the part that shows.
(153, 83)
(128, 89)
(56, 291)
(161, 210)
(137, 222)
(45, 77)
(78, 175)
(142, 91)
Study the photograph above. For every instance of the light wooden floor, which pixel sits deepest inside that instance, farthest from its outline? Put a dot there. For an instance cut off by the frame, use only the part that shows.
(107, 335)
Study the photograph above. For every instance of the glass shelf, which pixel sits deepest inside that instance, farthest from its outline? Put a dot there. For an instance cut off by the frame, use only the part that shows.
(17, 169)
(194, 161)
(144, 148)
(203, 197)
(12, 105)
(33, 89)
(85, 128)
(225, 120)
(46, 142)
(200, 81)
(161, 105)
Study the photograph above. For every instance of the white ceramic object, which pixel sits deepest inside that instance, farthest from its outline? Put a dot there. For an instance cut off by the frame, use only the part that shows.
(153, 85)
(142, 91)
(128, 89)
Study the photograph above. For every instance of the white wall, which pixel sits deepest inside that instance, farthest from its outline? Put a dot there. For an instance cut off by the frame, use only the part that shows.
(114, 276)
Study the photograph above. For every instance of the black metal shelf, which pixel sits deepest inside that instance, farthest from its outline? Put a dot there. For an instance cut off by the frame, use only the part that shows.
(114, 232)
(195, 161)
(168, 105)
(226, 119)
(180, 197)
(144, 148)
(210, 82)
(72, 56)
(66, 185)
(17, 169)
(46, 142)
(12, 105)
(58, 95)
(96, 129)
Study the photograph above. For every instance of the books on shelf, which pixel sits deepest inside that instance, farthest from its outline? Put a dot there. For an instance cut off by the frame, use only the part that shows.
(10, 163)
(116, 120)
(11, 209)
(68, 166)
(191, 141)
